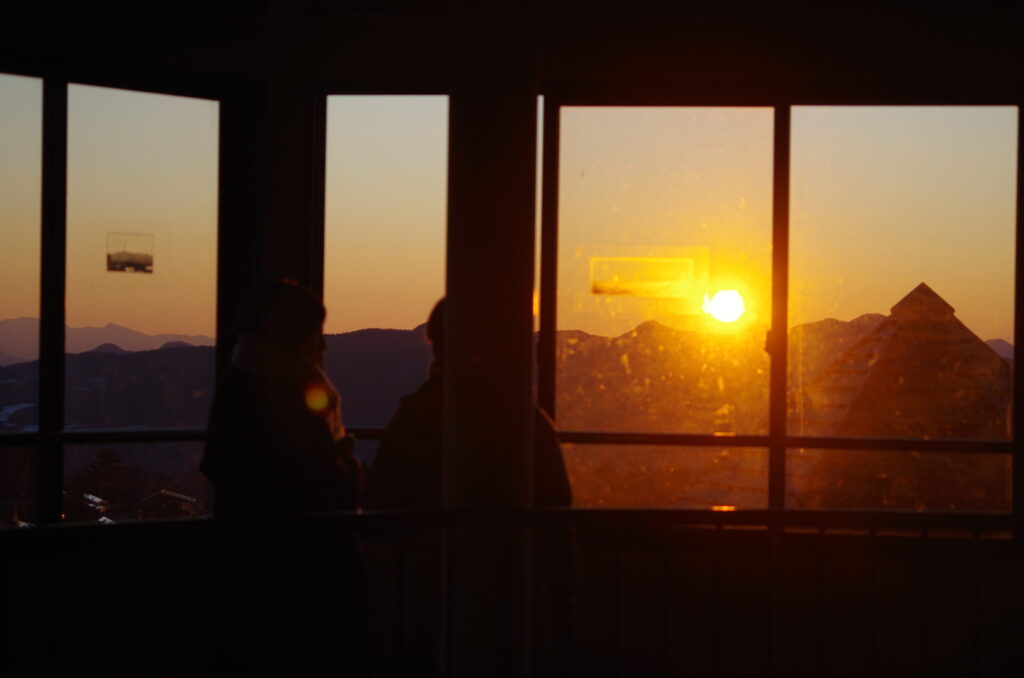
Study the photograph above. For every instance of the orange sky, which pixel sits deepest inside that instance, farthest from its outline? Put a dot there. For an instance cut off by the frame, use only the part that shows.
(137, 163)
(882, 199)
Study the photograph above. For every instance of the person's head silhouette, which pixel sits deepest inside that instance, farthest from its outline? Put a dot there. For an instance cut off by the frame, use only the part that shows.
(288, 316)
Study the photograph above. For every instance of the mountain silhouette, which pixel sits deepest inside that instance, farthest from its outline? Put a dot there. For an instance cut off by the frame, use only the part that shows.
(107, 348)
(918, 372)
(8, 359)
(172, 386)
(373, 369)
(20, 337)
(1002, 347)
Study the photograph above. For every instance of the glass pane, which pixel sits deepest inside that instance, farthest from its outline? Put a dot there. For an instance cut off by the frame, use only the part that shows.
(916, 481)
(384, 245)
(902, 271)
(135, 481)
(647, 476)
(17, 486)
(21, 139)
(141, 262)
(664, 284)
(365, 451)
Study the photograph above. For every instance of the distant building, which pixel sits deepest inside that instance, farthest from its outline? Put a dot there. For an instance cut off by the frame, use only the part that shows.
(920, 374)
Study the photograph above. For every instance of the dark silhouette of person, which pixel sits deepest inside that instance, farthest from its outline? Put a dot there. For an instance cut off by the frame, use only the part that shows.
(407, 474)
(291, 591)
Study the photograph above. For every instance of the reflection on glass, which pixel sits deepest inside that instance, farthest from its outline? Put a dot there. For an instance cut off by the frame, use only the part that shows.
(644, 476)
(115, 482)
(902, 271)
(17, 486)
(914, 481)
(142, 198)
(384, 249)
(664, 269)
(21, 115)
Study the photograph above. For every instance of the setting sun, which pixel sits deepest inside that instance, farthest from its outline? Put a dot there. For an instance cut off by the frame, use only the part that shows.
(726, 306)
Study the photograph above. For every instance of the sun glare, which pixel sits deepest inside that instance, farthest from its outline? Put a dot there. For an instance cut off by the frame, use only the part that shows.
(726, 306)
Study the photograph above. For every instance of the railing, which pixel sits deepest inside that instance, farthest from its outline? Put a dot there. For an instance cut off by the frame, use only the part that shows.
(657, 592)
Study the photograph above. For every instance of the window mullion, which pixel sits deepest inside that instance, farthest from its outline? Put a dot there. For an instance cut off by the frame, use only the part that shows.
(546, 350)
(49, 479)
(1018, 336)
(777, 343)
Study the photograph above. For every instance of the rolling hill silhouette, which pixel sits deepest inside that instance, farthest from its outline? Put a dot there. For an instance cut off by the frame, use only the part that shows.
(910, 366)
(20, 337)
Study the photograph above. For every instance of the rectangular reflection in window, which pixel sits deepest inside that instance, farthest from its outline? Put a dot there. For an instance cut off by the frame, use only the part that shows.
(902, 271)
(384, 245)
(898, 480)
(664, 269)
(142, 197)
(136, 481)
(648, 476)
(21, 116)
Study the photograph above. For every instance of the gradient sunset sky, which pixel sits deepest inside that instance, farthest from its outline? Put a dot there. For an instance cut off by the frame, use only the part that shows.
(882, 199)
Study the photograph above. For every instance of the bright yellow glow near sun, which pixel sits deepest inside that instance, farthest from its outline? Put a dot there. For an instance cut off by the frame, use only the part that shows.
(726, 306)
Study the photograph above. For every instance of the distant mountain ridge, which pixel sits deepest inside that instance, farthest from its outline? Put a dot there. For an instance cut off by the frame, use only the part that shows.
(19, 338)
(651, 378)
(1002, 347)
(8, 359)
(876, 374)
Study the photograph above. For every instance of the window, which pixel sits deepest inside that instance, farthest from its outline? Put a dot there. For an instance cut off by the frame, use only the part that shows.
(141, 259)
(679, 230)
(384, 249)
(121, 353)
(21, 118)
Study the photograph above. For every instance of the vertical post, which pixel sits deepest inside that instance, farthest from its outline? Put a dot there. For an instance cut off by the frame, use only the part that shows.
(318, 190)
(1018, 336)
(50, 477)
(546, 345)
(292, 179)
(489, 347)
(239, 208)
(778, 340)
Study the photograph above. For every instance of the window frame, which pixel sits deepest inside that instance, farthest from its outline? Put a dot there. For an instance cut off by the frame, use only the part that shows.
(47, 443)
(319, 251)
(777, 440)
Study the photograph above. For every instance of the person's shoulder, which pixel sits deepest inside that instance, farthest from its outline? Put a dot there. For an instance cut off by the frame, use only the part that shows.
(425, 402)
(419, 417)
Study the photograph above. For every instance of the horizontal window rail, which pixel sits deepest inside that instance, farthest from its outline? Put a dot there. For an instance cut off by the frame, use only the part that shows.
(101, 437)
(818, 442)
(581, 437)
(600, 519)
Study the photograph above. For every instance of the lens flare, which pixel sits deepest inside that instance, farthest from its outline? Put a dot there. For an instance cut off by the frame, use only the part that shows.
(316, 399)
(726, 306)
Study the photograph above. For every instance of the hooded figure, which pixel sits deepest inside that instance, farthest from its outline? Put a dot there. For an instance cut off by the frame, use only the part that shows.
(292, 591)
(407, 474)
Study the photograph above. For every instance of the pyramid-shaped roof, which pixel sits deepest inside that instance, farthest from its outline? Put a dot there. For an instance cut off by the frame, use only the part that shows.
(922, 302)
(921, 373)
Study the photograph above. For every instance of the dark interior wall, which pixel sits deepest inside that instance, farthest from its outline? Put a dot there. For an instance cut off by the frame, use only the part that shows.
(136, 600)
(409, 45)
